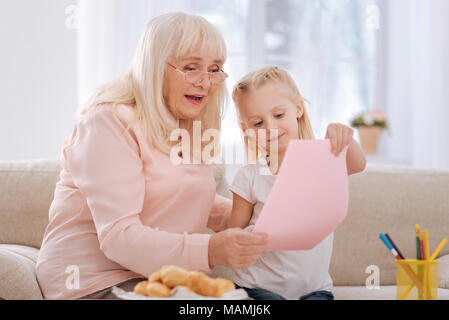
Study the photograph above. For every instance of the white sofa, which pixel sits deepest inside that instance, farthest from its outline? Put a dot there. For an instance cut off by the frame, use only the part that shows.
(382, 199)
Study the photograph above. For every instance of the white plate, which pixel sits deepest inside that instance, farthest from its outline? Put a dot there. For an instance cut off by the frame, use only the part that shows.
(181, 294)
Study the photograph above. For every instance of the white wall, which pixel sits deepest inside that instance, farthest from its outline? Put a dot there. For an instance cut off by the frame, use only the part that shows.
(38, 82)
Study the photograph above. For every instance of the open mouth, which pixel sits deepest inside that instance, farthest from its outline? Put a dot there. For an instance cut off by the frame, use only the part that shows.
(194, 99)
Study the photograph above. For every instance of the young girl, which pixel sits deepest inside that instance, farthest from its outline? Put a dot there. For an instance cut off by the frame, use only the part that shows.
(268, 99)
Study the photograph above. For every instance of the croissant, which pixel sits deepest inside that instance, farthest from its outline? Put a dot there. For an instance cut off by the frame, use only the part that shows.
(173, 276)
(156, 289)
(140, 288)
(162, 283)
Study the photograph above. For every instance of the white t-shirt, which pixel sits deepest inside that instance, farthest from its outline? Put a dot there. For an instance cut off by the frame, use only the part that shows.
(290, 274)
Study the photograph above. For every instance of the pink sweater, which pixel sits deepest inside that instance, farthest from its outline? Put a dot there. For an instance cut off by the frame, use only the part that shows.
(121, 210)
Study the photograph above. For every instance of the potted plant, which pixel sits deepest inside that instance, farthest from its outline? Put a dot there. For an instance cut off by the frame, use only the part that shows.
(370, 125)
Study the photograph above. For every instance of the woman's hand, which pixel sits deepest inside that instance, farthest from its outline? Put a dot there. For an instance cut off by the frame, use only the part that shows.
(339, 136)
(236, 248)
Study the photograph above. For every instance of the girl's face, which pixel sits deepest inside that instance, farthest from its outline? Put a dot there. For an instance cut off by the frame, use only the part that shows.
(269, 108)
(185, 99)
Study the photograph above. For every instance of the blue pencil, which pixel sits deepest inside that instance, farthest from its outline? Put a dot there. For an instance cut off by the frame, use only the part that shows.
(389, 246)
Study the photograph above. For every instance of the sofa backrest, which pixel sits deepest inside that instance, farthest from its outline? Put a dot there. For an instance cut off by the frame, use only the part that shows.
(26, 191)
(382, 199)
(388, 199)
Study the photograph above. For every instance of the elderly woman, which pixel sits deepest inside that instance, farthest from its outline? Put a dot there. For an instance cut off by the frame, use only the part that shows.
(122, 208)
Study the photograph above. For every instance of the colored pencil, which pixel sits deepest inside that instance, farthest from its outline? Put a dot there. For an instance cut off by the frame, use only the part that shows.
(418, 255)
(394, 245)
(418, 250)
(438, 249)
(389, 246)
(427, 257)
(421, 247)
(426, 244)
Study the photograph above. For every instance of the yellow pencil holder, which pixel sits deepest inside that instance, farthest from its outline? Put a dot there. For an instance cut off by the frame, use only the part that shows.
(416, 279)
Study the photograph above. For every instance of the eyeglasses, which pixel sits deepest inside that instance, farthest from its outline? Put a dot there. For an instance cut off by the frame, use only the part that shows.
(197, 76)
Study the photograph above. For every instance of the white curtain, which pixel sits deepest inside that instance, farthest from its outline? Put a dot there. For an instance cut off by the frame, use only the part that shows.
(108, 33)
(430, 83)
(417, 81)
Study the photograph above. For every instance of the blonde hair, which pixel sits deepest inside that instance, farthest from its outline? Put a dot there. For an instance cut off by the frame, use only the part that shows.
(261, 77)
(141, 86)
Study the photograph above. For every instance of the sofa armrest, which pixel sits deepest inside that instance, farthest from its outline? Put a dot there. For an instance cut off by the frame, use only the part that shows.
(18, 273)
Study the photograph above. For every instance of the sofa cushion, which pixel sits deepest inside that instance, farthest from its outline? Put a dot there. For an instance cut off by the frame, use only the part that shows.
(383, 293)
(443, 272)
(18, 273)
(26, 191)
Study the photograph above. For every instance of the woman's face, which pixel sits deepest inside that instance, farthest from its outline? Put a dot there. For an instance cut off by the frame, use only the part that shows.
(184, 99)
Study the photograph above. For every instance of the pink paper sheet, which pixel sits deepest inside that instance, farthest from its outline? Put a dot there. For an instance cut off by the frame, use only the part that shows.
(309, 197)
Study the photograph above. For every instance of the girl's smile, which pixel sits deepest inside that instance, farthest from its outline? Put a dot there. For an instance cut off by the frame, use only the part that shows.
(278, 137)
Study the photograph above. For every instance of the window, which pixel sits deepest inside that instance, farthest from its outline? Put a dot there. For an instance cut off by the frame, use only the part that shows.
(330, 48)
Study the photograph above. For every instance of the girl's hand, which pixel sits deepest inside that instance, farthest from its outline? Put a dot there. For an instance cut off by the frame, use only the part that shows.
(339, 136)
